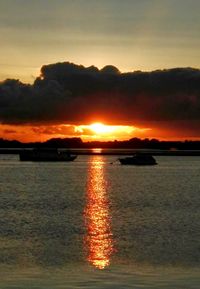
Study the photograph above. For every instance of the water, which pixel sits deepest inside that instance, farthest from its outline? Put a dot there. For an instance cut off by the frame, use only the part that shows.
(93, 223)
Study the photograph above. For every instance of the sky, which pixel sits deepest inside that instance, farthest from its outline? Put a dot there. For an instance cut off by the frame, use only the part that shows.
(130, 35)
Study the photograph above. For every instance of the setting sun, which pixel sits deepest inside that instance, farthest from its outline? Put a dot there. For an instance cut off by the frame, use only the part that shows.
(100, 128)
(101, 131)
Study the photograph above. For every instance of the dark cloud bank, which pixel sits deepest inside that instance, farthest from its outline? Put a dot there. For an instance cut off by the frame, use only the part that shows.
(72, 93)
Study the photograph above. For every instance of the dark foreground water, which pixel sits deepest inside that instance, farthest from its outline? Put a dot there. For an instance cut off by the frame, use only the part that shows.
(95, 224)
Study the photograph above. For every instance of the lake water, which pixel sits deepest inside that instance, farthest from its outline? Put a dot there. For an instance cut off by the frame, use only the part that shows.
(93, 223)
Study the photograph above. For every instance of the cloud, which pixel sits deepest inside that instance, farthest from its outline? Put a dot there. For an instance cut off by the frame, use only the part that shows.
(9, 131)
(70, 93)
(62, 130)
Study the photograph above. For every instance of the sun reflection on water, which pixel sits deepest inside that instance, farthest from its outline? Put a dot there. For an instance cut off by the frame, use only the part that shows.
(98, 240)
(97, 150)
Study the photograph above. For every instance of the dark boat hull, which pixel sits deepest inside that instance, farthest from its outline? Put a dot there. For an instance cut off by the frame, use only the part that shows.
(138, 160)
(46, 156)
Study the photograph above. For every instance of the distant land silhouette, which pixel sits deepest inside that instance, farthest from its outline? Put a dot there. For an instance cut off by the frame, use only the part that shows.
(133, 143)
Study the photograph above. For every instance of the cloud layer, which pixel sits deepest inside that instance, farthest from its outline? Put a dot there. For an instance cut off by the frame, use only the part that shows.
(65, 92)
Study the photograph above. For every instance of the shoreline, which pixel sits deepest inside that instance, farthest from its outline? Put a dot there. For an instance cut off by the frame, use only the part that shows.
(108, 151)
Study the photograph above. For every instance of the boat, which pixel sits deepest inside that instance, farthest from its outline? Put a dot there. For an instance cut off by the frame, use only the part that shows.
(139, 159)
(46, 155)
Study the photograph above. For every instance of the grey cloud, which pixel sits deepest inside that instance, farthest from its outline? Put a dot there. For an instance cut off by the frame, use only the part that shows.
(74, 93)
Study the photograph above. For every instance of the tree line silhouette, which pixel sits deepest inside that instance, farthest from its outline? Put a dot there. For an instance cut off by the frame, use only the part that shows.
(133, 143)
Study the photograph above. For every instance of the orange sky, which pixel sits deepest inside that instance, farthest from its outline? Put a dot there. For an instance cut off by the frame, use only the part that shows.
(89, 132)
(95, 131)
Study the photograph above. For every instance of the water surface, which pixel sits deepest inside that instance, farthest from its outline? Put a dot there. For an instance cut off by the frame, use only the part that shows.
(93, 223)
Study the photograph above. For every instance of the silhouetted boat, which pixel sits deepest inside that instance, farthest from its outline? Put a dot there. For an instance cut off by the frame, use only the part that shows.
(139, 159)
(46, 155)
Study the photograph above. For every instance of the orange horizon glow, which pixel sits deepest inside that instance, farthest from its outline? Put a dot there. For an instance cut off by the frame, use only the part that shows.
(96, 131)
(87, 132)
(104, 132)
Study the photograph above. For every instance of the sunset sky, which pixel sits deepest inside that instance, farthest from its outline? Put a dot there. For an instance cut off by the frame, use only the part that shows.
(78, 63)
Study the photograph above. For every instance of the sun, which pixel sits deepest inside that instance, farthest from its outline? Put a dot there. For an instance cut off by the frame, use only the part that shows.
(104, 132)
(100, 128)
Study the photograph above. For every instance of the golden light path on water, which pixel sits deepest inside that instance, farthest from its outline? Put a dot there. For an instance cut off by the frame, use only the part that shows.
(98, 240)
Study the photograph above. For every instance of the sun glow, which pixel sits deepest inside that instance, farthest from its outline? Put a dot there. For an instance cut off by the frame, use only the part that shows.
(96, 131)
(103, 132)
(100, 128)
